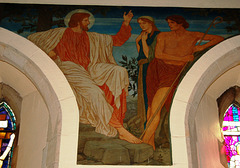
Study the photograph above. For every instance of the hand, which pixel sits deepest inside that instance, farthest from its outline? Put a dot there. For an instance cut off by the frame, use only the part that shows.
(198, 48)
(188, 58)
(139, 37)
(127, 17)
(142, 61)
(144, 36)
(52, 54)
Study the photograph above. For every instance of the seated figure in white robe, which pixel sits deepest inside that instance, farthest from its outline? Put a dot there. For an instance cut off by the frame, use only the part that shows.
(86, 59)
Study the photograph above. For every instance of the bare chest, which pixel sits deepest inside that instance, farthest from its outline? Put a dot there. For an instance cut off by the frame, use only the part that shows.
(184, 44)
(180, 41)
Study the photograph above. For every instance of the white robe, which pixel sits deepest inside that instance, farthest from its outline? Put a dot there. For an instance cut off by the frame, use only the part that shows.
(93, 107)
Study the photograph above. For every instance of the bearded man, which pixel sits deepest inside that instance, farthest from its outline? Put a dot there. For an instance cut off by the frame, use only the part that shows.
(86, 59)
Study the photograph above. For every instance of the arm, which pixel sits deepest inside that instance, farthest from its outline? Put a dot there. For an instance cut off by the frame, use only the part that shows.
(127, 18)
(137, 41)
(143, 36)
(144, 44)
(159, 51)
(213, 40)
(125, 32)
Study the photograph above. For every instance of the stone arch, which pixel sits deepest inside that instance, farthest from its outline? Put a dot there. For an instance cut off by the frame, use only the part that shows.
(31, 65)
(197, 94)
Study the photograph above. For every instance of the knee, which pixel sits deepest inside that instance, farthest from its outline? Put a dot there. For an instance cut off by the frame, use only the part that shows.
(121, 70)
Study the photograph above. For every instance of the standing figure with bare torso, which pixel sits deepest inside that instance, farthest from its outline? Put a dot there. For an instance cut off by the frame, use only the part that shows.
(173, 50)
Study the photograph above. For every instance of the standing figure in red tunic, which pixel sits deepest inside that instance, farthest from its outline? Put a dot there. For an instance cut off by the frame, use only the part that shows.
(173, 50)
(86, 59)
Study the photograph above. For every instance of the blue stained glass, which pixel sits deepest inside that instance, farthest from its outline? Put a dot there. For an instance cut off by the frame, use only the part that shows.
(235, 113)
(7, 114)
(5, 109)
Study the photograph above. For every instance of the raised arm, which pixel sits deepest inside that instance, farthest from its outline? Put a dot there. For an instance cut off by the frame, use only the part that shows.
(127, 17)
(125, 31)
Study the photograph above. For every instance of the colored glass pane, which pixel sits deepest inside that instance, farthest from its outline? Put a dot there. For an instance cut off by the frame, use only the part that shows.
(2, 117)
(7, 128)
(231, 131)
(2, 135)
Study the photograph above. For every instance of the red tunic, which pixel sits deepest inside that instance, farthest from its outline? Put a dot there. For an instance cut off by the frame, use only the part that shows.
(161, 75)
(75, 47)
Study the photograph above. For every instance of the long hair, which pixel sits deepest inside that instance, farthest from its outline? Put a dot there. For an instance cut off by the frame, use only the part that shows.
(154, 27)
(77, 17)
(179, 20)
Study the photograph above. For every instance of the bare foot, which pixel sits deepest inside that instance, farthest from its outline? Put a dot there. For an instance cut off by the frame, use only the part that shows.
(127, 136)
(149, 141)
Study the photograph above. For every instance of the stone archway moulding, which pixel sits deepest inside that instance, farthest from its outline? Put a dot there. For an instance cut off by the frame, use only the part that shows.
(205, 71)
(50, 82)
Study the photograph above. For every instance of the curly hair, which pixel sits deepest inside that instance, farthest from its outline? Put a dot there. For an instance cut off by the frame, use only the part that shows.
(179, 20)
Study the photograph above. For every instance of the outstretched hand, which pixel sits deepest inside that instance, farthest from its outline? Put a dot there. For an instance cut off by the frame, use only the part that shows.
(127, 17)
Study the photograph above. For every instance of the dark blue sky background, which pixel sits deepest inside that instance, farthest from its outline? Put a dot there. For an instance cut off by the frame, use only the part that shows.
(111, 22)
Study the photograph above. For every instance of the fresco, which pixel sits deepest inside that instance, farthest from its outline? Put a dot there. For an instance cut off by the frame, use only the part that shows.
(124, 64)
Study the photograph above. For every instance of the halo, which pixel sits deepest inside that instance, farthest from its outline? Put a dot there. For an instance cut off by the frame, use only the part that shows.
(68, 16)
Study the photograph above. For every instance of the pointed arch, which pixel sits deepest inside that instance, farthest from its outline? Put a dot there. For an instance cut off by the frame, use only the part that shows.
(194, 118)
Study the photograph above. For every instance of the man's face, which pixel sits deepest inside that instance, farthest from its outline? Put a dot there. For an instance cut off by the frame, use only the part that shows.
(173, 25)
(84, 24)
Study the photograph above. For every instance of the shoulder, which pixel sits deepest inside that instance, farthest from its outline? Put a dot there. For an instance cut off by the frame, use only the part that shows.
(48, 33)
(56, 30)
(92, 33)
(163, 35)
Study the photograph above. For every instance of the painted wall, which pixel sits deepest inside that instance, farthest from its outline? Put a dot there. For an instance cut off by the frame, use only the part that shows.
(67, 156)
(28, 70)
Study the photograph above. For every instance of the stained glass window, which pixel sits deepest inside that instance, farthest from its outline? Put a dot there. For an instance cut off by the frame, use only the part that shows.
(231, 132)
(7, 129)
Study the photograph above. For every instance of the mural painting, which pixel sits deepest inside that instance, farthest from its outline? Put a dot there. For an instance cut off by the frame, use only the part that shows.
(124, 65)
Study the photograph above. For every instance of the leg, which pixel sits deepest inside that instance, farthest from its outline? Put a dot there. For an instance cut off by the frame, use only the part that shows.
(118, 115)
(158, 99)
